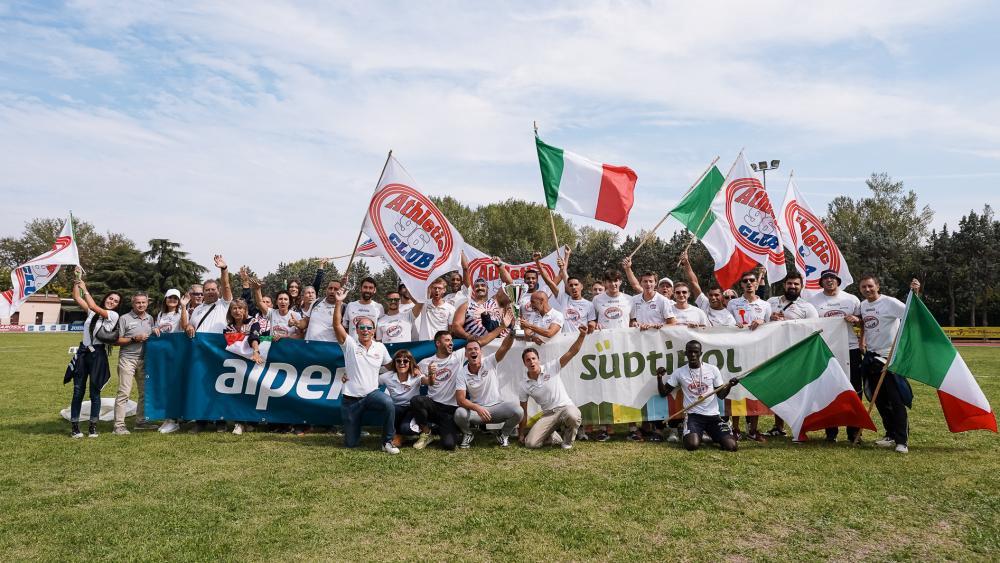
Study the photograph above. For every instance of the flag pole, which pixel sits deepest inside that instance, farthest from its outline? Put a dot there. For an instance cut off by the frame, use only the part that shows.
(707, 212)
(552, 219)
(885, 369)
(361, 229)
(650, 234)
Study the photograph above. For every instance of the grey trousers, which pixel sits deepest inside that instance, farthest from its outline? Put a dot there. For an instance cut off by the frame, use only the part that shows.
(507, 413)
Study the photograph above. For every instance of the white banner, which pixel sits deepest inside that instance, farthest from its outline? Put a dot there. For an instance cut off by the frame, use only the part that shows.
(613, 378)
(31, 276)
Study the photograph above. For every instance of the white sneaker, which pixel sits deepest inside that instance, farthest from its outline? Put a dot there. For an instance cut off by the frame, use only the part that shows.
(902, 449)
(886, 442)
(389, 448)
(238, 429)
(169, 425)
(503, 440)
(121, 432)
(567, 445)
(672, 437)
(555, 439)
(467, 441)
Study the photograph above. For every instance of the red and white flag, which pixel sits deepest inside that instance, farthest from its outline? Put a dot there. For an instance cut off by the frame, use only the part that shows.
(804, 234)
(410, 232)
(32, 276)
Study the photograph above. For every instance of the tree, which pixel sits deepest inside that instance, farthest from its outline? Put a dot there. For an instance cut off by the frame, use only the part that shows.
(170, 268)
(123, 270)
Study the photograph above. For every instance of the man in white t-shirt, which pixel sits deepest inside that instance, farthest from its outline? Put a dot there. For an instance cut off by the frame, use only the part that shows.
(363, 359)
(714, 303)
(697, 379)
(318, 324)
(395, 325)
(546, 321)
(651, 310)
(789, 306)
(833, 302)
(576, 310)
(406, 301)
(880, 316)
(456, 293)
(485, 403)
(750, 311)
(364, 307)
(436, 314)
(210, 316)
(544, 384)
(612, 308)
(684, 312)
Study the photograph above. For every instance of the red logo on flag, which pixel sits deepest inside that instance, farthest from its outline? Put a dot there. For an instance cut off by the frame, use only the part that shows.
(751, 219)
(486, 269)
(409, 223)
(815, 251)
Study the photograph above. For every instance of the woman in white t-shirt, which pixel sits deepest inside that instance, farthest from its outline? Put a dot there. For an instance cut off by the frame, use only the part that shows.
(403, 384)
(281, 320)
(171, 318)
(91, 360)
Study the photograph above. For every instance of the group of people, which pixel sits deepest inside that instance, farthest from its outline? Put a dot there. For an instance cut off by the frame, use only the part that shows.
(463, 389)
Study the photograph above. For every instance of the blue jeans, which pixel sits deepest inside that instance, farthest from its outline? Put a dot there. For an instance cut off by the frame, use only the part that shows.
(352, 409)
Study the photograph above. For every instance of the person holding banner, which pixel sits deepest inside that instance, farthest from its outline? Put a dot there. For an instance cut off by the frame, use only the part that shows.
(715, 303)
(280, 321)
(484, 403)
(242, 327)
(789, 306)
(363, 358)
(195, 296)
(684, 312)
(649, 309)
(833, 302)
(543, 383)
(750, 311)
(91, 360)
(695, 380)
(173, 317)
(403, 384)
(210, 315)
(880, 315)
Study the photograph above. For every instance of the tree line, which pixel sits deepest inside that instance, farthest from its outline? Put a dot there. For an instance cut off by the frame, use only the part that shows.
(885, 233)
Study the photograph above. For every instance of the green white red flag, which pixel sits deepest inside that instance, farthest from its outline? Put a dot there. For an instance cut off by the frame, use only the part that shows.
(806, 386)
(924, 353)
(574, 184)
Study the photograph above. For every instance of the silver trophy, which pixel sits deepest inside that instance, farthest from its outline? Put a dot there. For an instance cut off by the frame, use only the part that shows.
(515, 291)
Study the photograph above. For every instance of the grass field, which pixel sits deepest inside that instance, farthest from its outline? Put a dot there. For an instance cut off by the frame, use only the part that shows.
(263, 496)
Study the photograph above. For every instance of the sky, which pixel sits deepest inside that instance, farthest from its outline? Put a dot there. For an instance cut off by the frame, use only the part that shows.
(258, 130)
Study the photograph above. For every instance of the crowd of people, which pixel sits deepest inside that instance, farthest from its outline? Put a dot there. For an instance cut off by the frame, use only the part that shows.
(463, 392)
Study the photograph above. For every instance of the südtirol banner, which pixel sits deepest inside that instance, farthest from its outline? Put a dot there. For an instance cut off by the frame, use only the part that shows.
(299, 383)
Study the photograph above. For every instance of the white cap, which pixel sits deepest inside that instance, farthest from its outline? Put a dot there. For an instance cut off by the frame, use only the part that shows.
(668, 280)
(172, 293)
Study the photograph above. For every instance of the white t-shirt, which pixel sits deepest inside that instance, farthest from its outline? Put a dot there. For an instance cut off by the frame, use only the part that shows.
(746, 312)
(548, 390)
(546, 320)
(214, 318)
(716, 317)
(881, 321)
(656, 311)
(395, 328)
(404, 307)
(108, 323)
(355, 310)
(362, 366)
(169, 322)
(576, 312)
(456, 299)
(400, 391)
(801, 308)
(434, 318)
(447, 379)
(612, 312)
(690, 315)
(278, 323)
(321, 322)
(697, 383)
(839, 305)
(483, 387)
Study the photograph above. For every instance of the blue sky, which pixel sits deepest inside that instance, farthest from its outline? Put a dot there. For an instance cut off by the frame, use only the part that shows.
(258, 129)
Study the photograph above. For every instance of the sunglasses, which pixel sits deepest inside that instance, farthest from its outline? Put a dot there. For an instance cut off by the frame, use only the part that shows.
(392, 298)
(197, 294)
(366, 327)
(748, 280)
(727, 296)
(402, 361)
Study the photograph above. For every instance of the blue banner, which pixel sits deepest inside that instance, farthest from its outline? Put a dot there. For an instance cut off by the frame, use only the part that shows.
(197, 379)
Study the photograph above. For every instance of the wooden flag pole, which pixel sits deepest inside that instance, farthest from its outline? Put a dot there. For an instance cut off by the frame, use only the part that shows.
(715, 391)
(361, 229)
(707, 212)
(650, 234)
(552, 219)
(881, 378)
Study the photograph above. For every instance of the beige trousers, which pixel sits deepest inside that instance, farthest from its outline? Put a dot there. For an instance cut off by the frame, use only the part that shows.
(562, 419)
(130, 370)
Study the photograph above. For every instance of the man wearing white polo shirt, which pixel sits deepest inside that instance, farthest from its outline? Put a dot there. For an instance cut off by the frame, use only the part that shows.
(788, 307)
(651, 310)
(436, 314)
(485, 403)
(363, 358)
(317, 324)
(364, 307)
(547, 322)
(544, 384)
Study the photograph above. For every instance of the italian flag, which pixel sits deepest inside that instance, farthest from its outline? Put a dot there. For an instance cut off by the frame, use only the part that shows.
(576, 185)
(806, 386)
(924, 353)
(695, 212)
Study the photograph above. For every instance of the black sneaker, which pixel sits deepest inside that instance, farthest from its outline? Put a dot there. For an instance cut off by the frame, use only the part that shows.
(75, 431)
(775, 432)
(220, 426)
(602, 436)
(92, 431)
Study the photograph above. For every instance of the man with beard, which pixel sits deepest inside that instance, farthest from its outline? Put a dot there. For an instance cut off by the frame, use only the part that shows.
(785, 308)
(485, 403)
(395, 325)
(210, 315)
(444, 384)
(833, 302)
(480, 314)
(364, 307)
(318, 325)
(749, 311)
(406, 301)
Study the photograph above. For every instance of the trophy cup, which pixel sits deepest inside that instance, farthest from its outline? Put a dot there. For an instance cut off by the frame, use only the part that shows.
(515, 292)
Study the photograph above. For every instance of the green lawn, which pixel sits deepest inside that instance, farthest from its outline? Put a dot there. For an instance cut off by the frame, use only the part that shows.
(264, 496)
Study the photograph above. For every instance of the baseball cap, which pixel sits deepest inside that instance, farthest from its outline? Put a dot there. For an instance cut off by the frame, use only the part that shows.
(668, 280)
(830, 274)
(172, 293)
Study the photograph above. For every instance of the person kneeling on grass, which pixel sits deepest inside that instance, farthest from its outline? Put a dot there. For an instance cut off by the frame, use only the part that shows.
(695, 380)
(544, 385)
(363, 358)
(485, 404)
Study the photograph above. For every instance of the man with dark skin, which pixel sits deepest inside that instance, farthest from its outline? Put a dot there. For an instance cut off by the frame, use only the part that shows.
(696, 380)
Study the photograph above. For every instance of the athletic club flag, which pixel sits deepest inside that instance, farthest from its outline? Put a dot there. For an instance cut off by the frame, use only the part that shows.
(32, 276)
(925, 354)
(804, 234)
(806, 386)
(410, 232)
(576, 185)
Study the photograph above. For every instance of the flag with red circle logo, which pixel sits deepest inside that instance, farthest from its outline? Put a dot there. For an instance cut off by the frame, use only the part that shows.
(28, 278)
(804, 234)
